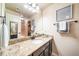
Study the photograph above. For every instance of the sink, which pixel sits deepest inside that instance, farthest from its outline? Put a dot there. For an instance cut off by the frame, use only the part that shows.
(36, 41)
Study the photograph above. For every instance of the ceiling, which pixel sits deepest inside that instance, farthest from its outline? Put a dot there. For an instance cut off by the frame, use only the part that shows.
(19, 7)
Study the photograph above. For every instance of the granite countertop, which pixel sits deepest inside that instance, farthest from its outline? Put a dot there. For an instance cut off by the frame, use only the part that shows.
(24, 48)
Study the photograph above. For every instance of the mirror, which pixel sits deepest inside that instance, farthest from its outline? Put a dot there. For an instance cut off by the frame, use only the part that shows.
(13, 29)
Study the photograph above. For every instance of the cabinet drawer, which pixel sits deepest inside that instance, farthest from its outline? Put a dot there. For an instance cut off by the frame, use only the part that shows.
(30, 55)
(42, 54)
(45, 50)
(39, 51)
(46, 45)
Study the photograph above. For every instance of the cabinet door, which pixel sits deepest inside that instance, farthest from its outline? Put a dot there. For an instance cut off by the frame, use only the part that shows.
(39, 51)
(42, 54)
(46, 51)
(50, 47)
(30, 55)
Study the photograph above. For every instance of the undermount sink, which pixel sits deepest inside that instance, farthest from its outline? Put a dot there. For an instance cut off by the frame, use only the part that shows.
(36, 41)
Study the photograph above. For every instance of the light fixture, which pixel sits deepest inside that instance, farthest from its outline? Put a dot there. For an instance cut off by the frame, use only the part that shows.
(21, 16)
(26, 6)
(33, 10)
(37, 8)
(32, 7)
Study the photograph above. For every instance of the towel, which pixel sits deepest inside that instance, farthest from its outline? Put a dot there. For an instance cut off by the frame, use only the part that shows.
(62, 26)
(4, 36)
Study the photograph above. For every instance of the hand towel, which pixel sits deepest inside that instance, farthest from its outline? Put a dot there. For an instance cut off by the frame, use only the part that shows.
(62, 26)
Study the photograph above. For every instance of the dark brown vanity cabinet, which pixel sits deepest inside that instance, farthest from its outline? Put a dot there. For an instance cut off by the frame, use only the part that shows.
(45, 50)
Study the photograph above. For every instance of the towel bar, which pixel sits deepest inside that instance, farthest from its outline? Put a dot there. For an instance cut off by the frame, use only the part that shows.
(76, 21)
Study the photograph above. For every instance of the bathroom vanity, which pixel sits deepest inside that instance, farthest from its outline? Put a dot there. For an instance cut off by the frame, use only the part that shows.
(40, 46)
(45, 50)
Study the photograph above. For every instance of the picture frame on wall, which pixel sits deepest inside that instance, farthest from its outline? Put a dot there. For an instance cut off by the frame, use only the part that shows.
(64, 13)
(13, 29)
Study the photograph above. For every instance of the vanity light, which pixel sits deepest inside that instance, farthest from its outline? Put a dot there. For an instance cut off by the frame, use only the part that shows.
(26, 6)
(22, 18)
(33, 10)
(32, 7)
(37, 8)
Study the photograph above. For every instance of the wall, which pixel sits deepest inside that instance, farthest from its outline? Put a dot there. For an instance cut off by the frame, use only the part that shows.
(38, 23)
(66, 44)
(2, 9)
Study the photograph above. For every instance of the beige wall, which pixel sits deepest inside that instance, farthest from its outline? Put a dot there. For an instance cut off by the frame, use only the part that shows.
(67, 44)
(38, 23)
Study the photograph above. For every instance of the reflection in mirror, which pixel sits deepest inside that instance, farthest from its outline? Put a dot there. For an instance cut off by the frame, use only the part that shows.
(33, 26)
(13, 30)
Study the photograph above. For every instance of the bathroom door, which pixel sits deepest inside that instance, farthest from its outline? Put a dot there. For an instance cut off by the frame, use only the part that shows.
(24, 28)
